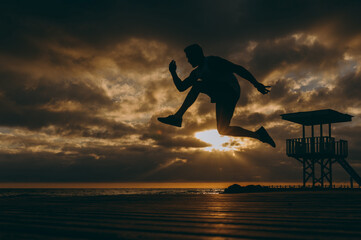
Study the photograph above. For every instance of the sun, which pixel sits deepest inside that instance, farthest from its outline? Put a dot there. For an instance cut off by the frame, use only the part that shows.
(218, 142)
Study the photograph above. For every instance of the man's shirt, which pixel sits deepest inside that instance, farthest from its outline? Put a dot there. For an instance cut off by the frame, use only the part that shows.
(216, 78)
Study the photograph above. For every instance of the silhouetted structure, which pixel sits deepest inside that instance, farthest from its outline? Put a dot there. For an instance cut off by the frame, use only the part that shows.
(321, 150)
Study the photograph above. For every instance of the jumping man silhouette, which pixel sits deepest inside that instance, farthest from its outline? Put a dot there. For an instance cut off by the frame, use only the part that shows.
(214, 76)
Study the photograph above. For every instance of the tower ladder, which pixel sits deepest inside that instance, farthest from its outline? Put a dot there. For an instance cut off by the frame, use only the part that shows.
(349, 170)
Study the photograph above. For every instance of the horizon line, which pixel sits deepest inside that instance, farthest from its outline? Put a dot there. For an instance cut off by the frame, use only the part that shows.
(146, 184)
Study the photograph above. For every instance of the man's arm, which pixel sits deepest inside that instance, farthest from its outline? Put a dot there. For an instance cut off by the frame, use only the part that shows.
(244, 73)
(181, 85)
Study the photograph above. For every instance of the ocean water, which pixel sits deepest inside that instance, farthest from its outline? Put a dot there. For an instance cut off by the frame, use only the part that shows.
(89, 192)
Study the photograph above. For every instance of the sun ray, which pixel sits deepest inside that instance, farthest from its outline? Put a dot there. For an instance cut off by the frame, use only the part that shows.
(217, 141)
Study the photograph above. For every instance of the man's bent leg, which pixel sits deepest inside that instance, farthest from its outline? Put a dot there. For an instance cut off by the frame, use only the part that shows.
(188, 101)
(176, 119)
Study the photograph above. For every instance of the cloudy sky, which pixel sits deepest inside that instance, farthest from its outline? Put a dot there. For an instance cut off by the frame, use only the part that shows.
(83, 82)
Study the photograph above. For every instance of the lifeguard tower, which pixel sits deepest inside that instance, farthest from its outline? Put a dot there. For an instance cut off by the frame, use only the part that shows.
(320, 151)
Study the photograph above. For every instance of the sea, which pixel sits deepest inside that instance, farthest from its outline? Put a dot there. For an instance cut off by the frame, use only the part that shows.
(90, 192)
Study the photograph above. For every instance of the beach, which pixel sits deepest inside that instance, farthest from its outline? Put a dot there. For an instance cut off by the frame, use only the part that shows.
(272, 215)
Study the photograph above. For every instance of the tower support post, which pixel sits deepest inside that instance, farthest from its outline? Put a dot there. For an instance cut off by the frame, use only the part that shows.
(322, 171)
(304, 172)
(313, 172)
(330, 169)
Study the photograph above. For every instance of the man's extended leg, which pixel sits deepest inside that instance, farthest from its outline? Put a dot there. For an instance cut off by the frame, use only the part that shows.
(176, 119)
(224, 114)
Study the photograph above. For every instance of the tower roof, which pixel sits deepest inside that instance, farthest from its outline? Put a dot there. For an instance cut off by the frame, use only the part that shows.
(317, 117)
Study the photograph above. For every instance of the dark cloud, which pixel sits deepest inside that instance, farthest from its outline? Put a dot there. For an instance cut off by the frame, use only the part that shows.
(286, 53)
(344, 95)
(24, 90)
(347, 90)
(37, 103)
(102, 24)
(112, 164)
(253, 119)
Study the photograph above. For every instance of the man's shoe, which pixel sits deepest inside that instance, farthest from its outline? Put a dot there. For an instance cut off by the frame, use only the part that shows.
(265, 137)
(171, 120)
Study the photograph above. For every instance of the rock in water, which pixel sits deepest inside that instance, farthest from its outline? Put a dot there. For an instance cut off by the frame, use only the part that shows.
(235, 188)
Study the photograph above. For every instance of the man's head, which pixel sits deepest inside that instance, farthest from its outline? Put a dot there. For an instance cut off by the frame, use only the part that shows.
(194, 54)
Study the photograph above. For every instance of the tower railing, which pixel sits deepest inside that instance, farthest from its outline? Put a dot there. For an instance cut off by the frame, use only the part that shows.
(342, 148)
(316, 147)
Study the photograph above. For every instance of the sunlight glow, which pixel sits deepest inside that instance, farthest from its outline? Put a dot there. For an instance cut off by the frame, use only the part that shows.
(218, 142)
